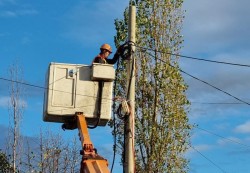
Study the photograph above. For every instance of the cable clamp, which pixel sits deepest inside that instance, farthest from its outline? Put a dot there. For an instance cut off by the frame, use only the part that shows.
(125, 107)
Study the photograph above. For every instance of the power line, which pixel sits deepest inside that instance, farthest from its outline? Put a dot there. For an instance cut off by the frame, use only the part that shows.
(219, 90)
(208, 159)
(22, 83)
(36, 86)
(196, 77)
(64, 76)
(234, 141)
(45, 88)
(213, 86)
(217, 103)
(194, 58)
(207, 83)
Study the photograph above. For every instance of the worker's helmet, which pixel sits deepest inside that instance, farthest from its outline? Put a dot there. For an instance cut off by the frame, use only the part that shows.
(106, 47)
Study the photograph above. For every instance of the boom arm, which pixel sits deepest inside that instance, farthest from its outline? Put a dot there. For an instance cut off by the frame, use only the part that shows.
(91, 161)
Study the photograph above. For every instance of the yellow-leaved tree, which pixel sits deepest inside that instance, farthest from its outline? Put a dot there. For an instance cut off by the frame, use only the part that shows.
(162, 129)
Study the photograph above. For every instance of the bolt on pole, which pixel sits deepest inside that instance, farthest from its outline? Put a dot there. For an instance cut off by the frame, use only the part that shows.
(129, 166)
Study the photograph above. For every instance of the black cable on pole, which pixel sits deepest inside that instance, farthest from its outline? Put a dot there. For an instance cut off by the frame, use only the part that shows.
(194, 58)
(114, 118)
(208, 159)
(99, 111)
(131, 76)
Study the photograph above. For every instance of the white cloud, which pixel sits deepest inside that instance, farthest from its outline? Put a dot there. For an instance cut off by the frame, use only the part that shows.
(218, 35)
(26, 40)
(25, 12)
(229, 141)
(4, 101)
(8, 14)
(231, 79)
(17, 13)
(243, 128)
(203, 147)
(198, 148)
(12, 9)
(225, 28)
(6, 2)
(3, 34)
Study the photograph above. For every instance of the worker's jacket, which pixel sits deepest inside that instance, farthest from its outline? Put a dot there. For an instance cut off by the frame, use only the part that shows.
(99, 59)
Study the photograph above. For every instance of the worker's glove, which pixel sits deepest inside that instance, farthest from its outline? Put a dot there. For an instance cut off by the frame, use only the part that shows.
(120, 49)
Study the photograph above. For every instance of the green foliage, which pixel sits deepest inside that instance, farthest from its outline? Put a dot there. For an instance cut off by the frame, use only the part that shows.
(4, 164)
(162, 130)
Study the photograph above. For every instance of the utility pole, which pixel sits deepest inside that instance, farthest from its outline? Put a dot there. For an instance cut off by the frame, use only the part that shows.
(129, 165)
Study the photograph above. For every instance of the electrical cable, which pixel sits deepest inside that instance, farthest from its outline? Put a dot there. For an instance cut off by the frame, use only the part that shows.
(118, 112)
(64, 76)
(194, 58)
(211, 103)
(46, 88)
(207, 83)
(114, 119)
(23, 83)
(125, 56)
(217, 103)
(208, 159)
(196, 77)
(213, 86)
(131, 76)
(36, 86)
(99, 109)
(234, 141)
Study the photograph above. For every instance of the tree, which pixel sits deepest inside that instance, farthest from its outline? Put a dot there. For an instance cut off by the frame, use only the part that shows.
(4, 164)
(48, 153)
(56, 154)
(162, 130)
(16, 107)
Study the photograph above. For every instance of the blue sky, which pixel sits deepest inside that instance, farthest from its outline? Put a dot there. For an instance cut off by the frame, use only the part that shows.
(36, 33)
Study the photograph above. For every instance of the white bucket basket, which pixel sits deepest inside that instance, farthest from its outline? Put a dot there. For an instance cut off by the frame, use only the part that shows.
(72, 88)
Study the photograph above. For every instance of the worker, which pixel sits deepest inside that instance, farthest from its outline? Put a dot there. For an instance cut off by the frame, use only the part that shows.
(106, 50)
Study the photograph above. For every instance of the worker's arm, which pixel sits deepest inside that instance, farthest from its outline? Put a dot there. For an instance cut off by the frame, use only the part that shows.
(116, 56)
(114, 60)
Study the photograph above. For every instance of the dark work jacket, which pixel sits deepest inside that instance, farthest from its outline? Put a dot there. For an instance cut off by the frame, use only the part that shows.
(99, 59)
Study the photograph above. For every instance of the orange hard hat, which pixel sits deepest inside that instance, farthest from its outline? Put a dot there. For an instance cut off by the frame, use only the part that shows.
(106, 47)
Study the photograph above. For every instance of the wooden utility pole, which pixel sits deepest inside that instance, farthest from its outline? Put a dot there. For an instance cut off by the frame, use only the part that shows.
(129, 165)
